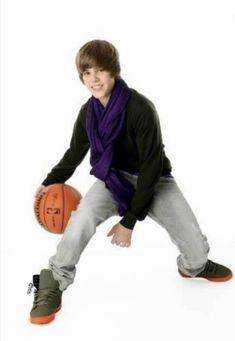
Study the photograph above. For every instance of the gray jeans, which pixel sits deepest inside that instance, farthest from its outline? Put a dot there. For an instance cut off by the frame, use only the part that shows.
(169, 209)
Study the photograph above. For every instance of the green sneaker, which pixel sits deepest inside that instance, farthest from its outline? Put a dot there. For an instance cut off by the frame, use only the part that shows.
(213, 272)
(47, 297)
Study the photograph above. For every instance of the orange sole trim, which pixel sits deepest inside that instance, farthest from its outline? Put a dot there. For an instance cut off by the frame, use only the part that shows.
(44, 319)
(212, 279)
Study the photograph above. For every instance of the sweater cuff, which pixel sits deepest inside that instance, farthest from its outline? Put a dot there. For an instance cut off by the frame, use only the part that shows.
(50, 180)
(47, 183)
(128, 220)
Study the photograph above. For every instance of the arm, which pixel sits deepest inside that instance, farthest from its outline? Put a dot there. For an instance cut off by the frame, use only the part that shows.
(79, 146)
(150, 149)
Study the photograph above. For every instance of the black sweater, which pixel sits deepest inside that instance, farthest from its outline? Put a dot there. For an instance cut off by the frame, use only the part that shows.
(138, 149)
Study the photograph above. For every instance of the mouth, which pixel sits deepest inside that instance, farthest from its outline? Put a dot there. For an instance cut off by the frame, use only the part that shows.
(96, 87)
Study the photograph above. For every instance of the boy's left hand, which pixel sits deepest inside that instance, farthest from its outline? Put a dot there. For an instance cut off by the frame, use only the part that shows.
(121, 235)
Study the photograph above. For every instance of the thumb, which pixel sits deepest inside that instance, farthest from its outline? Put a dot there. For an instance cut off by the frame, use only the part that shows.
(110, 232)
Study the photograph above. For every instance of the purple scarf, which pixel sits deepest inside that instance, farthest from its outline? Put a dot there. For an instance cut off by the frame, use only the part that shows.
(103, 127)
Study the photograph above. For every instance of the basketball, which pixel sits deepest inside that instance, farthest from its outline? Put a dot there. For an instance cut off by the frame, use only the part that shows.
(54, 205)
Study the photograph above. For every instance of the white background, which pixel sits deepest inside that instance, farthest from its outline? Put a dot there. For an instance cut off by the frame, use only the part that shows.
(181, 55)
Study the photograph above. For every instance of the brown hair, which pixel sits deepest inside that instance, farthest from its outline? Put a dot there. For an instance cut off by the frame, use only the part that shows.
(98, 53)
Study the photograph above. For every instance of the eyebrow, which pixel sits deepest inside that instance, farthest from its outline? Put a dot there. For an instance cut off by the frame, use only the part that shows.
(98, 67)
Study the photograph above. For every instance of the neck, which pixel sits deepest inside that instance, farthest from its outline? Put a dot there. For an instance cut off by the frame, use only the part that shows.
(104, 101)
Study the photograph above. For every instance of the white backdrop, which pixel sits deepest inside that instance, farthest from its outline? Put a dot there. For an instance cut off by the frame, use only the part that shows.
(181, 55)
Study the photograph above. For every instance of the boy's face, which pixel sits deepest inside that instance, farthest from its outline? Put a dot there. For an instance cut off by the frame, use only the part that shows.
(99, 82)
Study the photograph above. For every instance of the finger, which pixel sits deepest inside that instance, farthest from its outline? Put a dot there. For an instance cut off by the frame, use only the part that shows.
(122, 244)
(38, 192)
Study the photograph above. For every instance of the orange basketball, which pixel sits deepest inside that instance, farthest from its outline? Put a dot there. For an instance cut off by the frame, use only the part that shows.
(54, 205)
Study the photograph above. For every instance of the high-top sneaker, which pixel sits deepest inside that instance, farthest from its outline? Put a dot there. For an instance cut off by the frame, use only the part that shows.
(213, 272)
(47, 297)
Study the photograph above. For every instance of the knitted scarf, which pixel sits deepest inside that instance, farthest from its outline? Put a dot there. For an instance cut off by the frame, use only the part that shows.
(103, 126)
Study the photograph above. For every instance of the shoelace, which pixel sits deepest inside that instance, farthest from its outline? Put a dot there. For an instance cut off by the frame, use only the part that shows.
(35, 284)
(43, 296)
(210, 267)
(30, 288)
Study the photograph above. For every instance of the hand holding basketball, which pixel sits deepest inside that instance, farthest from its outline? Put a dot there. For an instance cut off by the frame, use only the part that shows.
(54, 204)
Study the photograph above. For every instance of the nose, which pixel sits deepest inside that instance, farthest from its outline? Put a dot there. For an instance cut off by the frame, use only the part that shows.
(95, 77)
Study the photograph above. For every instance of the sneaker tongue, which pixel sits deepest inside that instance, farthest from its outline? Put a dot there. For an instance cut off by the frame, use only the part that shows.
(36, 281)
(47, 280)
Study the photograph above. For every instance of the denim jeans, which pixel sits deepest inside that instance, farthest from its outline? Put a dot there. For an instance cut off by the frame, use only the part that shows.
(169, 209)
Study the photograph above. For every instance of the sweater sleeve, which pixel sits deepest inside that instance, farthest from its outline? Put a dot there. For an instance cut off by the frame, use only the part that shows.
(150, 150)
(79, 146)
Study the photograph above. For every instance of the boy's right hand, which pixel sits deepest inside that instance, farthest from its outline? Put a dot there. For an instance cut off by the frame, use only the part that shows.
(40, 188)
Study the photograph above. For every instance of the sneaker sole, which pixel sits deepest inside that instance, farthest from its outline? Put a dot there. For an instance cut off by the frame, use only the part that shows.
(44, 319)
(212, 279)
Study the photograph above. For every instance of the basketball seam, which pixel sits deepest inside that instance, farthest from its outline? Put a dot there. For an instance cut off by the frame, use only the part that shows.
(62, 225)
(45, 211)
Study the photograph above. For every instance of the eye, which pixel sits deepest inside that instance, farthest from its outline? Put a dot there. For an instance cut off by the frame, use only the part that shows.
(85, 73)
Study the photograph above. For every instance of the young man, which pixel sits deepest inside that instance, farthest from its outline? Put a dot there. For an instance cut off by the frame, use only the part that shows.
(122, 129)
